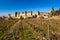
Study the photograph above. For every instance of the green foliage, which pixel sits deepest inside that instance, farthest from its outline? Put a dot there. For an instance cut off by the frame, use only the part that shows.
(4, 27)
(52, 11)
(21, 18)
(55, 12)
(27, 30)
(34, 16)
(26, 33)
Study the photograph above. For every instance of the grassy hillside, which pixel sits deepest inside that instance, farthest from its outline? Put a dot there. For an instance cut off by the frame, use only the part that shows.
(29, 29)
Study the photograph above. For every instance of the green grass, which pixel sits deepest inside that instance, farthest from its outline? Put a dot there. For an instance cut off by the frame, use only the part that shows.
(5, 26)
(26, 33)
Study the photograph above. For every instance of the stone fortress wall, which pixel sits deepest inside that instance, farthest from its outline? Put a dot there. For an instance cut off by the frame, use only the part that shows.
(29, 14)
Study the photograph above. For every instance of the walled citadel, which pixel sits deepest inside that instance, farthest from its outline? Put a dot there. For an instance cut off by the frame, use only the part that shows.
(29, 14)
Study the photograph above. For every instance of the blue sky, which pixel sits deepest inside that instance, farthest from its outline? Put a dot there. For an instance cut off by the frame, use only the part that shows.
(10, 6)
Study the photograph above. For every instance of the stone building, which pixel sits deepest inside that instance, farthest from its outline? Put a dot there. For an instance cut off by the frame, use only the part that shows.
(27, 14)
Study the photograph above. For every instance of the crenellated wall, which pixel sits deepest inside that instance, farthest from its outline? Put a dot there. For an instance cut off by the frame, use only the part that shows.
(28, 14)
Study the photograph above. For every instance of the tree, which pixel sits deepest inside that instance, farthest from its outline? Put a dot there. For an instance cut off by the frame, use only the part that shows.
(35, 16)
(15, 14)
(38, 13)
(52, 12)
(56, 12)
(59, 11)
(31, 12)
(10, 16)
(26, 13)
(21, 18)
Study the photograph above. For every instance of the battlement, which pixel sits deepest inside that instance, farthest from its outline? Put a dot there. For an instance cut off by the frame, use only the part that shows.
(28, 14)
